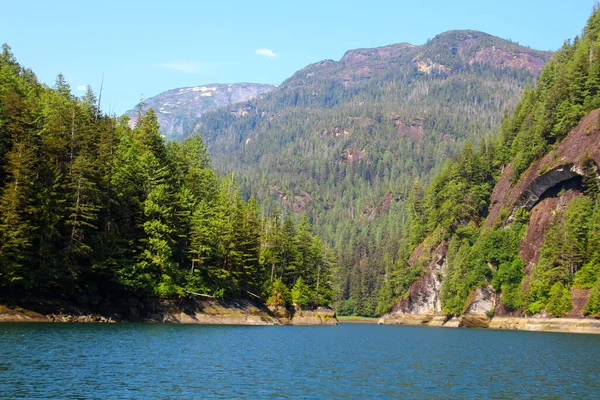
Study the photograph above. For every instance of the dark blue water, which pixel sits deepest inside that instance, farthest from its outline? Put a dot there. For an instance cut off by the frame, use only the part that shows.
(348, 361)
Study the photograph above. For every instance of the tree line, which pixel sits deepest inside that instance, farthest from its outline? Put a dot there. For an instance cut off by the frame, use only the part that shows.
(92, 207)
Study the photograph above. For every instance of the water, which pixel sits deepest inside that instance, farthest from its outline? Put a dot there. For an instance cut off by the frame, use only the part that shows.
(348, 361)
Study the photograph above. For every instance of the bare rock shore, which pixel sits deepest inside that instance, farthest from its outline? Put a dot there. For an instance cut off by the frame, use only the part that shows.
(537, 324)
(181, 311)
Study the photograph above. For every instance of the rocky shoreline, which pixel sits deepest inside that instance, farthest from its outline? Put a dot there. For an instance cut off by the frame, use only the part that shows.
(534, 324)
(181, 311)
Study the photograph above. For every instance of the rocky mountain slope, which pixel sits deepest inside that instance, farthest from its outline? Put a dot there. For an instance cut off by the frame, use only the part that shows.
(345, 141)
(179, 110)
(528, 250)
(544, 191)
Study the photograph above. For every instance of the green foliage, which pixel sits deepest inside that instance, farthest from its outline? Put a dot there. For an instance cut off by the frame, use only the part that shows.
(280, 294)
(559, 301)
(590, 178)
(566, 91)
(537, 296)
(456, 201)
(457, 284)
(568, 254)
(508, 280)
(301, 294)
(90, 206)
(593, 305)
(587, 276)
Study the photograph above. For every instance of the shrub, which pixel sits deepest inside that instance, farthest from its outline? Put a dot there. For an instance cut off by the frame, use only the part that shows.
(587, 276)
(593, 305)
(537, 296)
(512, 296)
(559, 302)
(280, 295)
(301, 294)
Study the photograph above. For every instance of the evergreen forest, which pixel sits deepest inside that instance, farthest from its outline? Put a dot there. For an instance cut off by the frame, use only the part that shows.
(91, 208)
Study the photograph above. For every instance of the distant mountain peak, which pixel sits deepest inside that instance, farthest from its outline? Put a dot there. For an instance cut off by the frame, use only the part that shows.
(357, 55)
(448, 51)
(178, 110)
(462, 47)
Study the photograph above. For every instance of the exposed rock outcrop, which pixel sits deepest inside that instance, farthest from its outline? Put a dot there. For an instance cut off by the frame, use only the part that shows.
(178, 110)
(298, 203)
(423, 304)
(544, 188)
(18, 314)
(181, 311)
(560, 165)
(319, 316)
(569, 325)
(481, 302)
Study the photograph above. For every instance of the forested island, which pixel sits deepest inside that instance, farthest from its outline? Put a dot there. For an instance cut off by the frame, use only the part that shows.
(93, 211)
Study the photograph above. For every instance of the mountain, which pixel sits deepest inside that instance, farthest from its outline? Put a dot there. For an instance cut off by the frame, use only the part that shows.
(346, 141)
(178, 110)
(530, 246)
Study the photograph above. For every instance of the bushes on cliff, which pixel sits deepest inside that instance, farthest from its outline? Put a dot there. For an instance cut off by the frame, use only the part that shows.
(302, 295)
(280, 295)
(587, 276)
(593, 305)
(492, 259)
(567, 90)
(508, 280)
(559, 301)
(569, 254)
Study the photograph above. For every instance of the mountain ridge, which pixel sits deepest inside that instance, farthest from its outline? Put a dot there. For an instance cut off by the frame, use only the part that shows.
(346, 141)
(179, 109)
(511, 229)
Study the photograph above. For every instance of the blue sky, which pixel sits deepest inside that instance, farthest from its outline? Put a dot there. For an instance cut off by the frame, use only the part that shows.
(146, 47)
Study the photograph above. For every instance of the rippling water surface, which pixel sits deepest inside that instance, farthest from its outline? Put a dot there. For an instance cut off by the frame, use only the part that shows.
(347, 361)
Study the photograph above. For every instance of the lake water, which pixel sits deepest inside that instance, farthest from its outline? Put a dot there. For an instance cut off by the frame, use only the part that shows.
(348, 361)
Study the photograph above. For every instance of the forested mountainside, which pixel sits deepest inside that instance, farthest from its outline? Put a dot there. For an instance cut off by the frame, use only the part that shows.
(93, 209)
(179, 110)
(531, 246)
(346, 141)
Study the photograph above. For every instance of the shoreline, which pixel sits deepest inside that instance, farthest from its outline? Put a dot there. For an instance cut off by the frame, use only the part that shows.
(532, 324)
(346, 319)
(245, 312)
(179, 311)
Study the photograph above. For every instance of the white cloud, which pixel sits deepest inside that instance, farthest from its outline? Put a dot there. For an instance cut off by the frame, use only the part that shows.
(190, 67)
(266, 52)
(81, 88)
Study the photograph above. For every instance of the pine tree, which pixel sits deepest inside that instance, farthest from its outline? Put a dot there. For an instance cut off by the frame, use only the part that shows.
(590, 178)
(15, 228)
(559, 301)
(593, 305)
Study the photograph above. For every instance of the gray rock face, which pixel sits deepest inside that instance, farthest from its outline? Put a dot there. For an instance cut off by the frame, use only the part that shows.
(428, 300)
(179, 110)
(424, 296)
(483, 301)
(536, 189)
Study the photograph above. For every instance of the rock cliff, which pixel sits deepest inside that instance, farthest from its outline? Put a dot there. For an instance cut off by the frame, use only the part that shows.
(544, 190)
(179, 110)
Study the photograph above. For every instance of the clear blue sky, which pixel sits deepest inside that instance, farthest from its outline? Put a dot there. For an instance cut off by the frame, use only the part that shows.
(146, 47)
